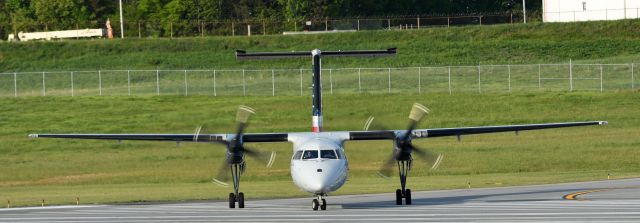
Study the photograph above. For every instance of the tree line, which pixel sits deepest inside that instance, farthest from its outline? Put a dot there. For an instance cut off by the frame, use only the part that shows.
(19, 15)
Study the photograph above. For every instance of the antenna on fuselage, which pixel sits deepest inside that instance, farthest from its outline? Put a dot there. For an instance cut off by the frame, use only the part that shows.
(316, 69)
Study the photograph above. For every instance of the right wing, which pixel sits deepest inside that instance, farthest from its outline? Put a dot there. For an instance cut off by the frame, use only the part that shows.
(441, 132)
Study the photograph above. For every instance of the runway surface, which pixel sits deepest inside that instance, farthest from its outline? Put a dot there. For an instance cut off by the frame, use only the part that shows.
(602, 201)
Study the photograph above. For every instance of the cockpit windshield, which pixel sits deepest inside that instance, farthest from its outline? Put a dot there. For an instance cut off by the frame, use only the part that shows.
(310, 154)
(297, 155)
(328, 154)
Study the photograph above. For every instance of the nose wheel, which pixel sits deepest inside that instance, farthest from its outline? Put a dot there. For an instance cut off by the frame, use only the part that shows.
(319, 203)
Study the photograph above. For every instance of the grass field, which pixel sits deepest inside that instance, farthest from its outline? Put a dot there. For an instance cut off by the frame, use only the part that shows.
(584, 42)
(59, 171)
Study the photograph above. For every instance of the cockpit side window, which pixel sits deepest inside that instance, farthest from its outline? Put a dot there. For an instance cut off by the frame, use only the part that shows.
(310, 154)
(339, 153)
(328, 154)
(297, 155)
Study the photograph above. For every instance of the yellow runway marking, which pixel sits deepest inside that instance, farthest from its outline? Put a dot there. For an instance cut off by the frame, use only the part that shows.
(574, 196)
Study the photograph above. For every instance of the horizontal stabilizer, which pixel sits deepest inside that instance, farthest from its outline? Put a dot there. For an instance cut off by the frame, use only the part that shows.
(243, 55)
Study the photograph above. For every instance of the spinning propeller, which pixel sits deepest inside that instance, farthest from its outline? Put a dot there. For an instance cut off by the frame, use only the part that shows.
(403, 147)
(236, 150)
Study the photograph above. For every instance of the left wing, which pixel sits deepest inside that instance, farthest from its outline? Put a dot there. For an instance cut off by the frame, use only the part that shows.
(248, 137)
(441, 132)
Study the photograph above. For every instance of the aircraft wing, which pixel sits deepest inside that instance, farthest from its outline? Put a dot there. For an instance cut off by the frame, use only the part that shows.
(249, 137)
(441, 132)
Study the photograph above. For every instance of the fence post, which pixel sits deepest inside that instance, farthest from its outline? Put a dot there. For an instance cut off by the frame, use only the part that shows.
(15, 84)
(139, 32)
(448, 21)
(72, 84)
(129, 82)
(509, 68)
(331, 81)
(479, 85)
(632, 79)
(359, 84)
(419, 74)
(244, 85)
(100, 82)
(601, 87)
(273, 83)
(44, 88)
(158, 82)
(389, 24)
(418, 22)
(449, 80)
(539, 76)
(389, 79)
(214, 83)
(358, 25)
(186, 85)
(570, 75)
(300, 81)
(326, 23)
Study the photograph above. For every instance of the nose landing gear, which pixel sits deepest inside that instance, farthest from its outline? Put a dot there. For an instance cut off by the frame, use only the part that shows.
(319, 202)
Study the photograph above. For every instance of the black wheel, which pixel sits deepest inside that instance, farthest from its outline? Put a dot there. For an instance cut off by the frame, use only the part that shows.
(241, 200)
(407, 196)
(232, 200)
(315, 204)
(398, 197)
(323, 206)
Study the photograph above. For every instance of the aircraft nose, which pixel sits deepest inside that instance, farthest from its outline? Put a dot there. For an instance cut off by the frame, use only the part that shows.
(321, 181)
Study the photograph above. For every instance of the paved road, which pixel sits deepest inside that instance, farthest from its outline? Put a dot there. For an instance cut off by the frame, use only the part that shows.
(603, 201)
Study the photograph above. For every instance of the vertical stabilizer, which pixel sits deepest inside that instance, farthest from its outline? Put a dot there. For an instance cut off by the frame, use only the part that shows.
(316, 91)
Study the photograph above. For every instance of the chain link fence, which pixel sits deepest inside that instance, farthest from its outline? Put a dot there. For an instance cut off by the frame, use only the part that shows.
(272, 82)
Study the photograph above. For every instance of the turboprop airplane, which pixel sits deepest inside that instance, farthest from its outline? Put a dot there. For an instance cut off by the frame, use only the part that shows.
(319, 165)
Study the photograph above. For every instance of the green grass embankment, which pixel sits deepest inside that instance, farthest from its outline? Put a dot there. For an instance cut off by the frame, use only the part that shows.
(608, 41)
(106, 171)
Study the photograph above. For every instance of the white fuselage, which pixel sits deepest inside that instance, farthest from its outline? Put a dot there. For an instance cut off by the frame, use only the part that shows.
(318, 165)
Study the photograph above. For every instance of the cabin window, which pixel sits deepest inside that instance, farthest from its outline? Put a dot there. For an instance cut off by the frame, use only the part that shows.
(310, 154)
(328, 154)
(297, 155)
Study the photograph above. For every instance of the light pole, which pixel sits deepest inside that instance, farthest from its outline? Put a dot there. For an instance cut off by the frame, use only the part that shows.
(121, 21)
(524, 11)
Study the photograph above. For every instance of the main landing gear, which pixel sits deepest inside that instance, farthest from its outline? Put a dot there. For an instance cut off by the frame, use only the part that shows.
(319, 202)
(236, 170)
(404, 166)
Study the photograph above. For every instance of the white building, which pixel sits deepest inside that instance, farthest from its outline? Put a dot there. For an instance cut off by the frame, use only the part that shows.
(589, 10)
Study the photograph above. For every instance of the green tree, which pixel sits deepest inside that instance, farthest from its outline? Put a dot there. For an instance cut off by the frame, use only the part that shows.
(59, 14)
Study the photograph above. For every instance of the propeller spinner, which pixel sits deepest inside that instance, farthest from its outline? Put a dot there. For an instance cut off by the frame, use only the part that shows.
(236, 151)
(404, 148)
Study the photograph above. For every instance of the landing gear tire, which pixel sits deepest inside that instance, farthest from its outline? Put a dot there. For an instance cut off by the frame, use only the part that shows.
(232, 200)
(398, 197)
(323, 206)
(407, 196)
(315, 204)
(241, 200)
